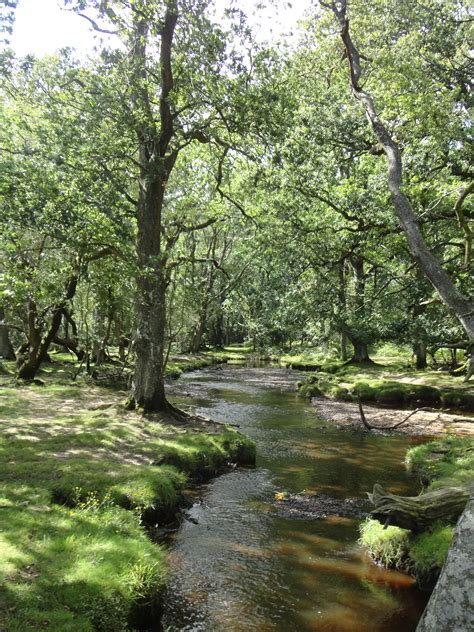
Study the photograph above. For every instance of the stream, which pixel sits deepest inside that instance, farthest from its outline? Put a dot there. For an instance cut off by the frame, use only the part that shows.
(237, 564)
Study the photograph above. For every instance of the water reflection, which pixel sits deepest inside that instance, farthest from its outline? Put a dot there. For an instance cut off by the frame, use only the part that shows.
(238, 566)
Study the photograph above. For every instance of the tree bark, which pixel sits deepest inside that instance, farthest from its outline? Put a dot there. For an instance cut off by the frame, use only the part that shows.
(431, 267)
(451, 606)
(39, 340)
(420, 354)
(361, 350)
(342, 310)
(156, 164)
(418, 513)
(70, 344)
(38, 344)
(343, 346)
(6, 347)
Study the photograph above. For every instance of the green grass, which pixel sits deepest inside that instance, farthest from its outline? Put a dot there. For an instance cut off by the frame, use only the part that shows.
(382, 385)
(428, 551)
(423, 554)
(78, 485)
(177, 365)
(388, 546)
(445, 462)
(74, 570)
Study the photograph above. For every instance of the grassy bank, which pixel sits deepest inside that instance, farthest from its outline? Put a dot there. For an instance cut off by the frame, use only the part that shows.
(81, 482)
(443, 463)
(389, 381)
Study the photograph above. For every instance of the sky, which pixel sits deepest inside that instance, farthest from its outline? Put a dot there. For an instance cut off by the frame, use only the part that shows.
(41, 26)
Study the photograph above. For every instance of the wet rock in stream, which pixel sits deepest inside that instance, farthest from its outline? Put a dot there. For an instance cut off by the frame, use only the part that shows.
(320, 506)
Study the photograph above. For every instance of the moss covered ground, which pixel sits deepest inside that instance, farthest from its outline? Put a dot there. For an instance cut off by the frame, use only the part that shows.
(83, 483)
(389, 381)
(442, 463)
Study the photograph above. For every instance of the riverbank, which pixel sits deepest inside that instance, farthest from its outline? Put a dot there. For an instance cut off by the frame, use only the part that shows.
(83, 485)
(430, 422)
(390, 390)
(389, 379)
(446, 463)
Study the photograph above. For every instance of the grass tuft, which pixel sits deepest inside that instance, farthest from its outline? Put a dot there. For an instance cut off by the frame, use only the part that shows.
(388, 546)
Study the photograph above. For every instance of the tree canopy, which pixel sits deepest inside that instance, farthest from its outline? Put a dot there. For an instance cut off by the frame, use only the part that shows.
(184, 186)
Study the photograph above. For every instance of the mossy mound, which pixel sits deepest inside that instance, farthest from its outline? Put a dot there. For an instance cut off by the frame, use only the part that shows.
(422, 555)
(346, 386)
(445, 462)
(449, 460)
(71, 570)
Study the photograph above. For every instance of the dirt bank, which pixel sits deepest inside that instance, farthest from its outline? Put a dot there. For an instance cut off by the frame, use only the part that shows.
(424, 422)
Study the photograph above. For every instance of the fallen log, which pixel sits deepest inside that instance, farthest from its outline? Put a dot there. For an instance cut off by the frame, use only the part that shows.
(418, 513)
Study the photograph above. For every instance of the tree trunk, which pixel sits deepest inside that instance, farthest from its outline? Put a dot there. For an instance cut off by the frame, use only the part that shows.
(148, 389)
(420, 354)
(38, 346)
(38, 341)
(431, 267)
(343, 347)
(342, 310)
(156, 164)
(6, 347)
(218, 339)
(418, 513)
(451, 606)
(361, 351)
(70, 344)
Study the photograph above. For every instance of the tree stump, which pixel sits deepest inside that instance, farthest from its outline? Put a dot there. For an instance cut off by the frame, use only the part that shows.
(418, 513)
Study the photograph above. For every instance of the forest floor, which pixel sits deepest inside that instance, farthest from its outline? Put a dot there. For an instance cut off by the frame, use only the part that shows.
(83, 486)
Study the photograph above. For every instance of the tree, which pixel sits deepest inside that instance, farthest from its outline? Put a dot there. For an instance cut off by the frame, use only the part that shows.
(431, 267)
(55, 214)
(171, 97)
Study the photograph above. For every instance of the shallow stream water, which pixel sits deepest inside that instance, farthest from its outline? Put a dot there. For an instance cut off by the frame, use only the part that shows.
(238, 566)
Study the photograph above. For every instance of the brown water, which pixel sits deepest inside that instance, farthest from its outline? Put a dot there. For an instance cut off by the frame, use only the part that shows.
(237, 566)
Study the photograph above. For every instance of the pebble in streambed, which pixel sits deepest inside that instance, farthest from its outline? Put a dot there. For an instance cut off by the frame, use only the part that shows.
(319, 506)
